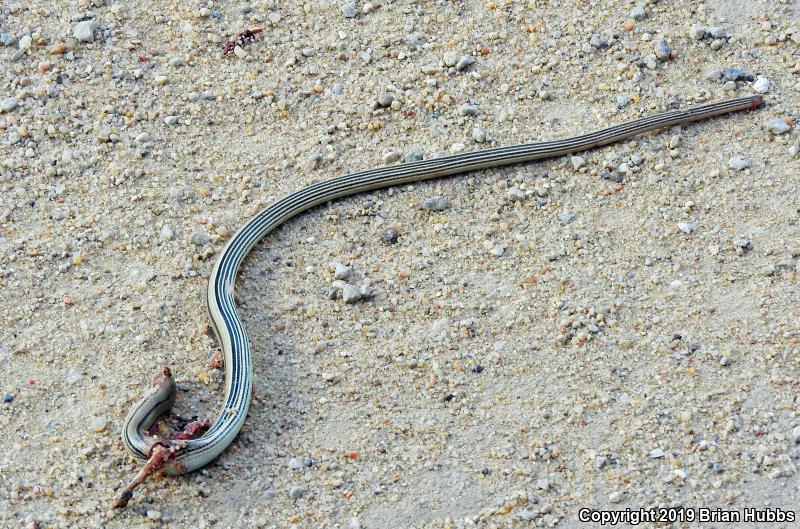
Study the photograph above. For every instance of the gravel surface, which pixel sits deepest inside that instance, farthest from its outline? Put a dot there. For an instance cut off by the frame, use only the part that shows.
(613, 330)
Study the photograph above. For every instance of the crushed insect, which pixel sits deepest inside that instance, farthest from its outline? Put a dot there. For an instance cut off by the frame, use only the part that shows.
(244, 38)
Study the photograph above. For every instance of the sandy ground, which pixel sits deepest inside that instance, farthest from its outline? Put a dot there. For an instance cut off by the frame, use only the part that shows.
(618, 333)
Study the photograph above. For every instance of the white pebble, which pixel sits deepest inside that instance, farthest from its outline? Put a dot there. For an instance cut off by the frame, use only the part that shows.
(8, 104)
(737, 163)
(349, 10)
(99, 424)
(777, 126)
(516, 194)
(350, 294)
(166, 233)
(761, 86)
(497, 250)
(468, 110)
(341, 271)
(697, 32)
(84, 31)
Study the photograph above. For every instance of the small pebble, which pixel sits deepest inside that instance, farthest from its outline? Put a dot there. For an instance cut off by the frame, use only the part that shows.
(715, 32)
(450, 59)
(734, 74)
(436, 203)
(414, 154)
(598, 43)
(577, 162)
(349, 10)
(478, 135)
(99, 424)
(8, 104)
(468, 110)
(737, 163)
(295, 464)
(25, 42)
(662, 49)
(350, 294)
(390, 157)
(742, 243)
(8, 397)
(638, 13)
(515, 194)
(154, 515)
(464, 63)
(385, 100)
(777, 126)
(697, 32)
(199, 238)
(297, 492)
(565, 217)
(166, 233)
(761, 86)
(657, 453)
(341, 271)
(84, 31)
(390, 236)
(686, 227)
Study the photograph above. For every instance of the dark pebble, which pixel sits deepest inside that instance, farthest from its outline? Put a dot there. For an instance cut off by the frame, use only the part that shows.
(735, 74)
(389, 236)
(8, 397)
(477, 369)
